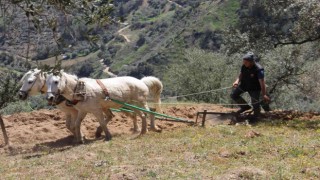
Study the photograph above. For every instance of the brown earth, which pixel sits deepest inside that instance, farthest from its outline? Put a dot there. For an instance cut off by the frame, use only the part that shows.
(45, 129)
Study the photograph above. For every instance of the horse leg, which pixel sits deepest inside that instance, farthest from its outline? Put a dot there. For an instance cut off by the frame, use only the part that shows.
(78, 135)
(73, 118)
(136, 127)
(68, 123)
(144, 119)
(103, 123)
(153, 126)
(109, 115)
(143, 123)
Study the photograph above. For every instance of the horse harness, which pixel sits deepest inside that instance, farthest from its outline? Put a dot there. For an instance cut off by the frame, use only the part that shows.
(104, 89)
(80, 93)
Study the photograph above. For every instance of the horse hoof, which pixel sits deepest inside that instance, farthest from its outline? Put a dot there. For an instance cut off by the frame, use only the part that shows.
(76, 141)
(108, 138)
(98, 135)
(135, 130)
(98, 132)
(156, 129)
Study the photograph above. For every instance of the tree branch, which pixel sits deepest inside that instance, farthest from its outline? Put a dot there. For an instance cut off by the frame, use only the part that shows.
(310, 39)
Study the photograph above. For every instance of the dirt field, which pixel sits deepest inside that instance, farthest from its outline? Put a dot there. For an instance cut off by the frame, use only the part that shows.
(38, 130)
(29, 131)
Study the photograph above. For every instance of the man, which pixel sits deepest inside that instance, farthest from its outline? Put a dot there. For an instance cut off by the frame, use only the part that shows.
(251, 80)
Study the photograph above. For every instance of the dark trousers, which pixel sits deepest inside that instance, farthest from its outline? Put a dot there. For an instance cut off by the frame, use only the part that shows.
(255, 95)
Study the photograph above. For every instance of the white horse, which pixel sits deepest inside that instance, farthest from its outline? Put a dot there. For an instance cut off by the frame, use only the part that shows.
(126, 89)
(33, 83)
(155, 89)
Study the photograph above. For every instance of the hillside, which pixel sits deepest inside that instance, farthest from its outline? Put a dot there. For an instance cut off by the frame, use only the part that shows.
(205, 38)
(151, 29)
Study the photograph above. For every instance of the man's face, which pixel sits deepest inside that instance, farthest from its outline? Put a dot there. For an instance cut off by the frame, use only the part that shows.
(247, 63)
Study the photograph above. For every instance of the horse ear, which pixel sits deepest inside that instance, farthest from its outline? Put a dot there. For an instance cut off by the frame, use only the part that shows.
(38, 71)
(61, 72)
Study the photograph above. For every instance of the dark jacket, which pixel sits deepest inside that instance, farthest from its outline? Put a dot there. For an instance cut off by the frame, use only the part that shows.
(250, 77)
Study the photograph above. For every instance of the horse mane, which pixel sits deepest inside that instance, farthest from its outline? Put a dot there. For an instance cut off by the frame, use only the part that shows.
(25, 76)
(72, 75)
(28, 74)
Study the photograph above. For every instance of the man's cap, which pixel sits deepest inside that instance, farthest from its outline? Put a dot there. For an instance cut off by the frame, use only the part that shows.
(249, 56)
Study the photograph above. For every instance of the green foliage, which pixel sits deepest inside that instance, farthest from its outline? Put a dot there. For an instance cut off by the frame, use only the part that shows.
(9, 87)
(264, 24)
(85, 70)
(38, 102)
(16, 107)
(141, 40)
(201, 71)
(32, 103)
(143, 69)
(225, 16)
(42, 53)
(6, 59)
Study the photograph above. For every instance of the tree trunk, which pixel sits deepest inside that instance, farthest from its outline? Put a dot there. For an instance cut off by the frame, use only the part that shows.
(6, 139)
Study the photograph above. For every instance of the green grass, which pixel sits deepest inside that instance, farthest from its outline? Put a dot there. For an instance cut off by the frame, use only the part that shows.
(128, 58)
(281, 151)
(224, 15)
(117, 65)
(160, 17)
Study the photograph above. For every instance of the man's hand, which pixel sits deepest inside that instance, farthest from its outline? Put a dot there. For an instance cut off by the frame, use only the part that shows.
(266, 98)
(235, 84)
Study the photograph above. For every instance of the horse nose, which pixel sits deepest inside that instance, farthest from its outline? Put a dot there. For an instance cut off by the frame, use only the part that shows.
(50, 98)
(22, 95)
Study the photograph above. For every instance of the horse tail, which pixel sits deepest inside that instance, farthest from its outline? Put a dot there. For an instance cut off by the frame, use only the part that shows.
(155, 88)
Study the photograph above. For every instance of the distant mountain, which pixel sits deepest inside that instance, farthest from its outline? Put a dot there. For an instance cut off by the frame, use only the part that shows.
(148, 35)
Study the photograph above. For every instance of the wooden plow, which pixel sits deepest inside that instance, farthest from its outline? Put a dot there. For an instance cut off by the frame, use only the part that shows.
(233, 117)
(4, 132)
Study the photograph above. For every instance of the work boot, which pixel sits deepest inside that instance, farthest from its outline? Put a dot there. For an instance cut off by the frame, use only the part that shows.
(255, 117)
(265, 107)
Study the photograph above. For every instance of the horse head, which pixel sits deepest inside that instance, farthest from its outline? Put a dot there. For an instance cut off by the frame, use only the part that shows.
(56, 84)
(33, 82)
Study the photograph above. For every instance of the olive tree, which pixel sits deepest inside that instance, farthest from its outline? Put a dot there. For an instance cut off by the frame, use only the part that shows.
(200, 72)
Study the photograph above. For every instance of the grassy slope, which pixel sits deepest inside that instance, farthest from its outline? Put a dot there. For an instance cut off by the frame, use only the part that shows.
(282, 151)
(208, 16)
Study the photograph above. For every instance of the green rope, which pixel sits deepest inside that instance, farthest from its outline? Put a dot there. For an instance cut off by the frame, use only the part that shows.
(148, 111)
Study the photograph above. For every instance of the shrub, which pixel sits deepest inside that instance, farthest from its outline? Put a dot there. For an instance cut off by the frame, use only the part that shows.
(141, 40)
(42, 53)
(16, 107)
(6, 59)
(143, 69)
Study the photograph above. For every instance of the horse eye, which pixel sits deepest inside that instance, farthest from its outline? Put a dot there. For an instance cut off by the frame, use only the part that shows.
(30, 82)
(56, 82)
